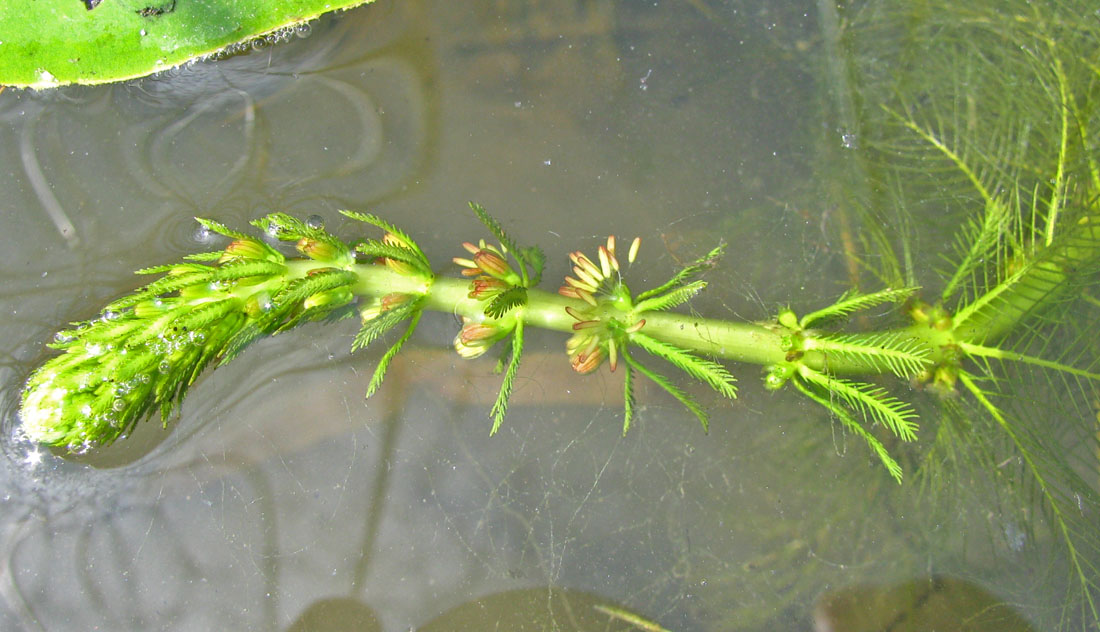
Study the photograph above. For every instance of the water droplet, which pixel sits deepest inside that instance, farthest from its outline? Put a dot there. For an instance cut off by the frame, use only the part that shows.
(111, 315)
(118, 406)
(316, 222)
(303, 30)
(849, 140)
(94, 349)
(62, 337)
(197, 337)
(145, 378)
(164, 367)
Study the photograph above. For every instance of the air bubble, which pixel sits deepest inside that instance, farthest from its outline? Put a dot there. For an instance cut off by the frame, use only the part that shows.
(303, 30)
(316, 222)
(259, 44)
(111, 315)
(202, 234)
(164, 367)
(197, 337)
(62, 337)
(118, 406)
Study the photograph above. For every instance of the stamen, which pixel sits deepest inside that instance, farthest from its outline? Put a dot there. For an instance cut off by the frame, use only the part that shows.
(580, 285)
(587, 278)
(605, 262)
(634, 245)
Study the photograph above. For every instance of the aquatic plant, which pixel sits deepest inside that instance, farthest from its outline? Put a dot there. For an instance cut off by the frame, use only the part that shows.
(146, 349)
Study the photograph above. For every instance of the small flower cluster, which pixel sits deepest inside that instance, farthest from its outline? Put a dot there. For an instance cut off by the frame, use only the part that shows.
(590, 278)
(596, 339)
(490, 268)
(598, 335)
(493, 276)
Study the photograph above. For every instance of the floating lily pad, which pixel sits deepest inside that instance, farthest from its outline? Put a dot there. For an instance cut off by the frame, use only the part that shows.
(49, 43)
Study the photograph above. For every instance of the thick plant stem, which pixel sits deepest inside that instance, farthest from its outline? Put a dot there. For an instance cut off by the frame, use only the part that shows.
(753, 343)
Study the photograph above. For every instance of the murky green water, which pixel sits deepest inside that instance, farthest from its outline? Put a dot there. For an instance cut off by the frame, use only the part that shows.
(280, 499)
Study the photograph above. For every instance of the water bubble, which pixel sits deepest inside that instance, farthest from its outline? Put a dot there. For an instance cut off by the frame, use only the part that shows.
(118, 405)
(202, 234)
(849, 140)
(94, 349)
(316, 222)
(197, 337)
(62, 337)
(145, 378)
(259, 44)
(111, 315)
(303, 30)
(164, 367)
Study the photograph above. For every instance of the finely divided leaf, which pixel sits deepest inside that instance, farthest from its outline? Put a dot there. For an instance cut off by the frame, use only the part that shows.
(713, 373)
(854, 300)
(501, 405)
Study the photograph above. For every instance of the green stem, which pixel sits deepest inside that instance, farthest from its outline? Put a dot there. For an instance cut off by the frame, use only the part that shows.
(753, 343)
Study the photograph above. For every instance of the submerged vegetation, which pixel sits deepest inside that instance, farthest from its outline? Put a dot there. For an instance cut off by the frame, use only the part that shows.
(985, 119)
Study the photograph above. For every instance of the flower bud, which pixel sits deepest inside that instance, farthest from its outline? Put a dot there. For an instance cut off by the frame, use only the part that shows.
(476, 338)
(325, 251)
(484, 288)
(494, 265)
(585, 363)
(246, 249)
(333, 298)
(393, 300)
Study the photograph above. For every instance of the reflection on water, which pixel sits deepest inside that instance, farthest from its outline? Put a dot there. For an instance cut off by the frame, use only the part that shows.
(280, 499)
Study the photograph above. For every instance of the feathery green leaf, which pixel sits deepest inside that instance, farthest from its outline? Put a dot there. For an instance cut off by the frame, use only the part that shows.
(713, 373)
(500, 407)
(854, 300)
(870, 400)
(662, 381)
(901, 355)
(851, 424)
(384, 361)
(506, 301)
(672, 298)
(693, 269)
